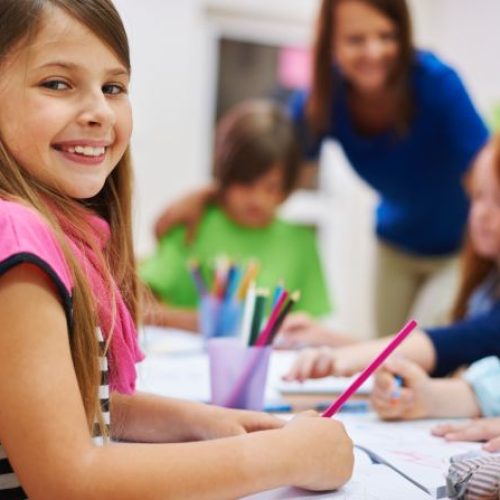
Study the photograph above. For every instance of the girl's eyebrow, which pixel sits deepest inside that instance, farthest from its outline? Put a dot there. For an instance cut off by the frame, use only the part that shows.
(117, 71)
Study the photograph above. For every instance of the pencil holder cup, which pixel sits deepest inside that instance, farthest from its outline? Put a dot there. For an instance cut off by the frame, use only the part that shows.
(218, 318)
(238, 373)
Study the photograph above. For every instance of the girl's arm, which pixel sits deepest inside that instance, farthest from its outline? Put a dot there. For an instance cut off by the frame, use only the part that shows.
(45, 434)
(348, 360)
(151, 418)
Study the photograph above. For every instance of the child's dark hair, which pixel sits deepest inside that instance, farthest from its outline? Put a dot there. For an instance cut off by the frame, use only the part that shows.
(251, 139)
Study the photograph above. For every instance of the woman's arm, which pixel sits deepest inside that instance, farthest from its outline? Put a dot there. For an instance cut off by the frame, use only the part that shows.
(45, 434)
(186, 210)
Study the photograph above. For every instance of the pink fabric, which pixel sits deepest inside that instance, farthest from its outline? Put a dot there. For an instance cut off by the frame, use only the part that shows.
(23, 232)
(125, 351)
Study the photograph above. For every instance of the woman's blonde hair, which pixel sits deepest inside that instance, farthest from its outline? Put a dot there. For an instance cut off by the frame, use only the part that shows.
(20, 21)
(474, 267)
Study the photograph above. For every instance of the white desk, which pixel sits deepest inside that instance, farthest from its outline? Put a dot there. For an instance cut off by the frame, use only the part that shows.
(176, 366)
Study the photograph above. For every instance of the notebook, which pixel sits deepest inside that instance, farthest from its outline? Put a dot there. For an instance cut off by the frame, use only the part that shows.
(408, 448)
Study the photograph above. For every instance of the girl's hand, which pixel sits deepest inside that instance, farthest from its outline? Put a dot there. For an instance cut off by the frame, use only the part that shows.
(480, 429)
(217, 422)
(187, 210)
(300, 330)
(320, 451)
(414, 400)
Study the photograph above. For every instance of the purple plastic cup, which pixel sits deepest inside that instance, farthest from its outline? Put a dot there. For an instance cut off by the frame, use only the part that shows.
(218, 318)
(238, 373)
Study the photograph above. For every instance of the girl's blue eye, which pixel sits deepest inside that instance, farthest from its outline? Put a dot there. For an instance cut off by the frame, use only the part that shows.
(55, 85)
(113, 89)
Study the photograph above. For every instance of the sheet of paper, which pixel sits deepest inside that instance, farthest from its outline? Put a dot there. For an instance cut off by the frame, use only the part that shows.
(407, 446)
(369, 482)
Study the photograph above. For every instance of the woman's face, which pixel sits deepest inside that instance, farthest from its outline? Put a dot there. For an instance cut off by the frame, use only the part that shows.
(484, 217)
(365, 45)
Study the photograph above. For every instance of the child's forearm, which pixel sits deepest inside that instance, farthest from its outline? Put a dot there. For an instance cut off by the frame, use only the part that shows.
(452, 397)
(158, 314)
(150, 418)
(218, 469)
(416, 347)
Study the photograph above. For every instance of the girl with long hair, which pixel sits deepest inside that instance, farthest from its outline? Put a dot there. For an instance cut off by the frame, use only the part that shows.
(69, 297)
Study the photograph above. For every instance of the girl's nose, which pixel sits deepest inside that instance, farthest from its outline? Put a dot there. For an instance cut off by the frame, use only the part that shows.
(96, 110)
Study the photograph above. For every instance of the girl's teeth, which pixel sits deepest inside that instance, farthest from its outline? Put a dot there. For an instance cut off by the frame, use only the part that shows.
(87, 150)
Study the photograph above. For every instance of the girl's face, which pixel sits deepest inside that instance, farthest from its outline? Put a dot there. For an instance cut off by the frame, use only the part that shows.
(66, 115)
(484, 218)
(365, 45)
(254, 205)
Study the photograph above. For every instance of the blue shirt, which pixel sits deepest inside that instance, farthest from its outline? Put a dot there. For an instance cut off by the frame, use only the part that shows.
(423, 207)
(475, 337)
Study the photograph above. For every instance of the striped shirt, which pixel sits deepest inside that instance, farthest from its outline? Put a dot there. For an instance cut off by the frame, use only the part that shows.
(26, 238)
(10, 487)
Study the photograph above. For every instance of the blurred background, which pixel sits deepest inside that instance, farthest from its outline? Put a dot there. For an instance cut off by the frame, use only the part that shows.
(192, 59)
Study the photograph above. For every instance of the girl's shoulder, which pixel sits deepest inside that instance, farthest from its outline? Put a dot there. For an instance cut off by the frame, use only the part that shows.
(28, 238)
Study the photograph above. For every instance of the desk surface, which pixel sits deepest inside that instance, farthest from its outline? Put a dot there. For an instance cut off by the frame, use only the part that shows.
(177, 366)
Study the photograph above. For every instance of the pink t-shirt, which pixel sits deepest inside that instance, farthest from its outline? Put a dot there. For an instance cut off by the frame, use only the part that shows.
(26, 237)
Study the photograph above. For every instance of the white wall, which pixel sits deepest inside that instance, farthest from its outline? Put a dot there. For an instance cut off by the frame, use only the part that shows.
(172, 93)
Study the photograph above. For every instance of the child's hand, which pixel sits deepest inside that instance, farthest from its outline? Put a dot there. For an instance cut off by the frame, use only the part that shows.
(325, 361)
(217, 422)
(312, 363)
(300, 330)
(412, 401)
(321, 451)
(481, 429)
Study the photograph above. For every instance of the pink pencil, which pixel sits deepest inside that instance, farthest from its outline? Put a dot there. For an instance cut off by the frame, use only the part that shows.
(402, 334)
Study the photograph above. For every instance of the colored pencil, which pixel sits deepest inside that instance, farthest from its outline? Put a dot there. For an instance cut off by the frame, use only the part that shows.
(402, 334)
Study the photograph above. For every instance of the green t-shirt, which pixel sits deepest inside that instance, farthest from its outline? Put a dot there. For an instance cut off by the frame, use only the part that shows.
(284, 251)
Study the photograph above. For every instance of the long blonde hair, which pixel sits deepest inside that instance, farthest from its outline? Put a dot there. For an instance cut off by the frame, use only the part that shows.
(19, 22)
(475, 268)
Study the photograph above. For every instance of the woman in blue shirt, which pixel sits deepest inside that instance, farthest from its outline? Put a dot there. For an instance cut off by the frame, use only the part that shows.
(409, 129)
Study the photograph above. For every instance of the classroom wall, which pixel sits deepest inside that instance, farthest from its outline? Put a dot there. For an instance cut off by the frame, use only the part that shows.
(172, 94)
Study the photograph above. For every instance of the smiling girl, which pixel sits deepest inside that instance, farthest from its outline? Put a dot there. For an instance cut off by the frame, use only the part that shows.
(68, 295)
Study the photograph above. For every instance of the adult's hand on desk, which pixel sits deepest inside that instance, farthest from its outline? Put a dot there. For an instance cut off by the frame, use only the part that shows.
(216, 422)
(480, 429)
(319, 452)
(300, 330)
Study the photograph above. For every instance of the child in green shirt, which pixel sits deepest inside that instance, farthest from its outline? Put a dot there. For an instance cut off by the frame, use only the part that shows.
(256, 167)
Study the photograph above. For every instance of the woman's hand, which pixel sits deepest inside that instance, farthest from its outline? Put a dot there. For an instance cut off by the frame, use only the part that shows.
(480, 429)
(414, 400)
(186, 210)
(300, 330)
(319, 450)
